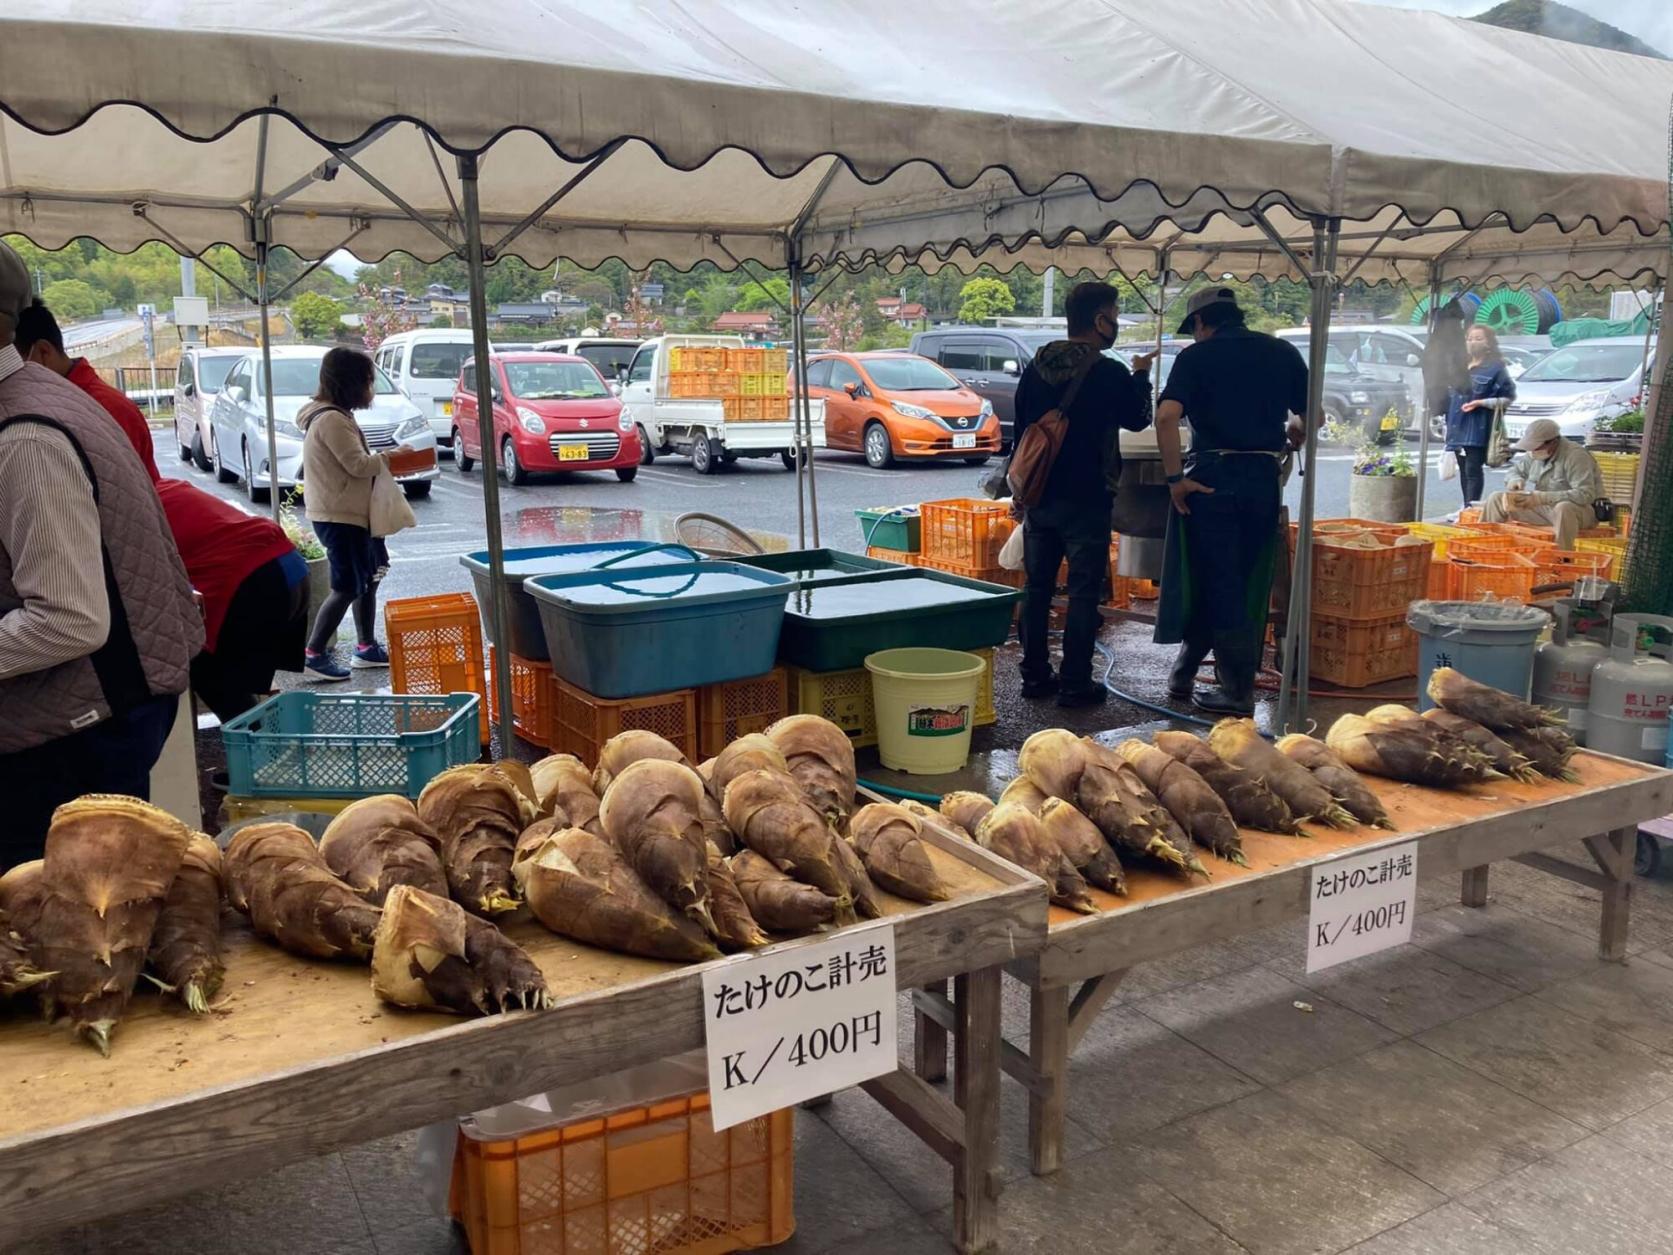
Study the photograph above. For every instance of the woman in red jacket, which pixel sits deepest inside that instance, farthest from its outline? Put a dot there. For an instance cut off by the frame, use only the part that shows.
(255, 596)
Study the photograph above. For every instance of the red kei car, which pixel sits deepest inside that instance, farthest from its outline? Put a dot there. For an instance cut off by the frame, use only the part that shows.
(551, 413)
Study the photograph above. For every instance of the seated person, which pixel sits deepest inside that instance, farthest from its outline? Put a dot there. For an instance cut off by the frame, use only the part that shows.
(1552, 481)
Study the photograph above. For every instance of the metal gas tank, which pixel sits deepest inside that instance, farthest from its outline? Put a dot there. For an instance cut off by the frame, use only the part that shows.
(1563, 672)
(1632, 690)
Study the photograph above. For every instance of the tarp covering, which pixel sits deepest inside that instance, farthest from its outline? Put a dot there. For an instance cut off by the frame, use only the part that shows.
(933, 125)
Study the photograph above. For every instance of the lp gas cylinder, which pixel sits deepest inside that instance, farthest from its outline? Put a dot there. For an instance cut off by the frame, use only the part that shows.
(1563, 671)
(1632, 690)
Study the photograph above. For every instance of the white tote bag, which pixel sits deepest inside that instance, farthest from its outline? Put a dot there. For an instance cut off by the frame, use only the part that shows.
(390, 511)
(1010, 553)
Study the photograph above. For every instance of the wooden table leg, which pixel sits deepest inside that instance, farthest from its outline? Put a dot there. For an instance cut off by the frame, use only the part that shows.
(1615, 852)
(976, 1091)
(1474, 892)
(1048, 1051)
(929, 1041)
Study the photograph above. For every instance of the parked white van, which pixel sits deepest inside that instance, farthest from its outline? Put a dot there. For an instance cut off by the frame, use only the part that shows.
(425, 365)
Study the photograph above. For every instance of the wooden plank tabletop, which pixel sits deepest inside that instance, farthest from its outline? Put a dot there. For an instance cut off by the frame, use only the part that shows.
(1457, 828)
(301, 1057)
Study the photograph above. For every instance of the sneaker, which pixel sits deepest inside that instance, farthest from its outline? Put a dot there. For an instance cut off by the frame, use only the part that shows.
(323, 668)
(1076, 698)
(1035, 689)
(1216, 701)
(373, 655)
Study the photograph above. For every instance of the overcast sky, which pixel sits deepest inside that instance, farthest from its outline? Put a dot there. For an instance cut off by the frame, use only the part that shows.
(1650, 20)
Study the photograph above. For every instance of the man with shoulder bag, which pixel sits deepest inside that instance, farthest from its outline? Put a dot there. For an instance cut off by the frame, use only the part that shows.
(1072, 402)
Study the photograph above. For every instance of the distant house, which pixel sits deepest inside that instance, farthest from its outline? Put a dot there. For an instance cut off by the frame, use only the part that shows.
(901, 313)
(757, 323)
(447, 305)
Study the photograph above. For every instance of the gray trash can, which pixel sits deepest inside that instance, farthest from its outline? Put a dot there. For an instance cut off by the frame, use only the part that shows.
(1492, 642)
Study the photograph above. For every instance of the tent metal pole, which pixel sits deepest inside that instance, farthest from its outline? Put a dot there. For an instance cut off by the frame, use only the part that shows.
(803, 416)
(263, 312)
(1297, 634)
(1161, 327)
(1422, 399)
(800, 371)
(490, 452)
(1649, 338)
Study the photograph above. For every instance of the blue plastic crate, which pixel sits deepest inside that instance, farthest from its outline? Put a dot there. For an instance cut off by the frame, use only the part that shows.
(349, 744)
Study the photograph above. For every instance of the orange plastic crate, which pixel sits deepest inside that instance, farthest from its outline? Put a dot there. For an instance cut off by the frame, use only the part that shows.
(1559, 566)
(531, 698)
(738, 707)
(1471, 514)
(988, 574)
(1351, 583)
(581, 723)
(732, 408)
(1615, 547)
(775, 361)
(435, 646)
(1486, 548)
(754, 408)
(1355, 653)
(777, 408)
(650, 1179)
(1439, 587)
(1509, 578)
(898, 556)
(965, 531)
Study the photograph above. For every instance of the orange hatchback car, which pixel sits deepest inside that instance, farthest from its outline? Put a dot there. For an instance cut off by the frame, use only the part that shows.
(890, 405)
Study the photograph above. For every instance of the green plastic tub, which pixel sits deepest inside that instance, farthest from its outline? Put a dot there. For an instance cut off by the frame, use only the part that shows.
(833, 626)
(883, 528)
(639, 630)
(825, 566)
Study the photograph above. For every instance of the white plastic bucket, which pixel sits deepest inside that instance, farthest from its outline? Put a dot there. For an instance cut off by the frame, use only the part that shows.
(925, 701)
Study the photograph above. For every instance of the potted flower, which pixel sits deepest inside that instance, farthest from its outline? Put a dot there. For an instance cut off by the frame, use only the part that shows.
(313, 553)
(1383, 485)
(1624, 433)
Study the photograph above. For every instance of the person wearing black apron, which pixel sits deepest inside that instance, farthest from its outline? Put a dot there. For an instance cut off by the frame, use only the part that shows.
(1238, 389)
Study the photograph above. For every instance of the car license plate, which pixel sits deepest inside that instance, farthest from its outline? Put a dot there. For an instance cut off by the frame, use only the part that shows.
(572, 453)
(965, 440)
(447, 409)
(1390, 422)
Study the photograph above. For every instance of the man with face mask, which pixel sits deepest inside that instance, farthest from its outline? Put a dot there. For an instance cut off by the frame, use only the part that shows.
(1239, 390)
(1552, 481)
(1072, 518)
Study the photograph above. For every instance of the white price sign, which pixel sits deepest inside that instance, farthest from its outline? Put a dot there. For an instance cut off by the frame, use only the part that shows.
(809, 1020)
(1361, 904)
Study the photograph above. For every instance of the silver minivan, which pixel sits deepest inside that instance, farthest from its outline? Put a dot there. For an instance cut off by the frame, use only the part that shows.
(1578, 384)
(197, 380)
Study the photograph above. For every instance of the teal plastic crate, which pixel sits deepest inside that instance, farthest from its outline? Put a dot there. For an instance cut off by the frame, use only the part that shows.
(883, 529)
(349, 744)
(630, 632)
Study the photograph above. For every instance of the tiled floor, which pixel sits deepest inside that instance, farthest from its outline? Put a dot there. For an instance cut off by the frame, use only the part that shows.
(1491, 1089)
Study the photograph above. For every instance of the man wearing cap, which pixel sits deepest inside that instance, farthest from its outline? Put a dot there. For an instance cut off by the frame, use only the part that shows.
(1242, 393)
(1552, 481)
(97, 623)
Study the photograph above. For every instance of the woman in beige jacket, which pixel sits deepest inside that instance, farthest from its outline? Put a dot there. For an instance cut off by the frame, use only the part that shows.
(338, 469)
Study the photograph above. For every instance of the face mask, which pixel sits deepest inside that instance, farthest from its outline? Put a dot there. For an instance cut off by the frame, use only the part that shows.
(1108, 341)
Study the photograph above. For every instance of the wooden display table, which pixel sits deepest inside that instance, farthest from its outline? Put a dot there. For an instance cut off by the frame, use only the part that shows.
(302, 1058)
(1085, 956)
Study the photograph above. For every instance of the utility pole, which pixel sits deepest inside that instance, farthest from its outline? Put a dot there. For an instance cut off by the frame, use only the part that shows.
(1048, 302)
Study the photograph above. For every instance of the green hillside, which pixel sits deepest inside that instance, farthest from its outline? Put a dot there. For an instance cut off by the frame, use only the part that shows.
(1559, 21)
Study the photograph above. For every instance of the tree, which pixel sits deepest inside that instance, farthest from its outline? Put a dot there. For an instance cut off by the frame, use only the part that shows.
(772, 295)
(379, 321)
(981, 299)
(72, 300)
(844, 323)
(316, 317)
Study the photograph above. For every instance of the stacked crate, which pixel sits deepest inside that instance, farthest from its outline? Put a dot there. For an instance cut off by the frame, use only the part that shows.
(844, 697)
(963, 536)
(750, 383)
(1359, 633)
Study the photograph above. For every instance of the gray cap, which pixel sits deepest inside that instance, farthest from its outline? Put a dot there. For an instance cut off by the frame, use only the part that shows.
(1538, 432)
(16, 289)
(1200, 300)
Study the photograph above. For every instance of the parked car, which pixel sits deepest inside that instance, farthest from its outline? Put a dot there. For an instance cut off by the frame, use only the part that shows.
(1521, 352)
(1361, 394)
(551, 413)
(610, 354)
(988, 361)
(891, 405)
(197, 380)
(1578, 384)
(238, 423)
(425, 365)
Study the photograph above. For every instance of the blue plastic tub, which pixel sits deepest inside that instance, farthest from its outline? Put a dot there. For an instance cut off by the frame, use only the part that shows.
(349, 744)
(653, 629)
(528, 639)
(834, 625)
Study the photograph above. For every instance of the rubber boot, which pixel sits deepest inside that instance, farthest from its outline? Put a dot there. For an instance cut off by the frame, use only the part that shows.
(1182, 680)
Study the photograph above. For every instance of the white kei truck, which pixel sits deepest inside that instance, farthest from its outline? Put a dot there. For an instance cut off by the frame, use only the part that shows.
(697, 427)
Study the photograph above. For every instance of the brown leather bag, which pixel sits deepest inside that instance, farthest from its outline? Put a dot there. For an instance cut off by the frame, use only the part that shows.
(1037, 450)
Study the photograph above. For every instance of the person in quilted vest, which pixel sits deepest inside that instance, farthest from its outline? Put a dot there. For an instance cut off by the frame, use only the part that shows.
(97, 622)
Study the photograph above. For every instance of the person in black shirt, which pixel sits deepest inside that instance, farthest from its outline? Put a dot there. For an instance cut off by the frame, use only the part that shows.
(1238, 389)
(1072, 518)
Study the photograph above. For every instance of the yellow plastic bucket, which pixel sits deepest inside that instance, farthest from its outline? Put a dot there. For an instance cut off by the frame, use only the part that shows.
(925, 701)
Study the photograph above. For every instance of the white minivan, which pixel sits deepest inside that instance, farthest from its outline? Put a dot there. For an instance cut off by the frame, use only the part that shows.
(425, 365)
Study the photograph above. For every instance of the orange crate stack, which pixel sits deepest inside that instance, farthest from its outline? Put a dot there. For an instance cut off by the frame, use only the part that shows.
(435, 646)
(970, 533)
(1356, 653)
(1351, 583)
(738, 707)
(581, 723)
(531, 698)
(653, 1178)
(1508, 578)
